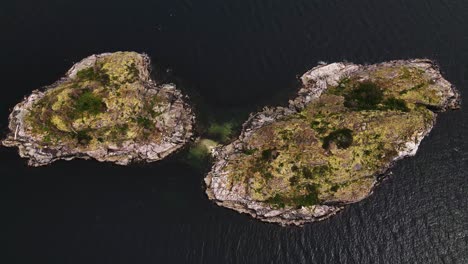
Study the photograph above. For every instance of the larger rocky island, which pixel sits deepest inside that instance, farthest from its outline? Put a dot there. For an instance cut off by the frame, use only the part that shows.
(106, 107)
(334, 142)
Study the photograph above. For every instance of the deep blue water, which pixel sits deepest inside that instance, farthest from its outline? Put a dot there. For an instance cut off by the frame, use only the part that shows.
(235, 56)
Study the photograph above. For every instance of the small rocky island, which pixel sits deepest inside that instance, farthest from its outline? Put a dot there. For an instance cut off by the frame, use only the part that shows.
(106, 108)
(333, 144)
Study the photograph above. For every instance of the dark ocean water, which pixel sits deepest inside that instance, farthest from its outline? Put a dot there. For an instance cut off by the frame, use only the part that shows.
(237, 55)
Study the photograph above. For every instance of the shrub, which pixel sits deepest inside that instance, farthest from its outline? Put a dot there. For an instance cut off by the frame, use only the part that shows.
(334, 188)
(294, 168)
(405, 73)
(249, 151)
(268, 175)
(47, 138)
(343, 138)
(86, 74)
(308, 199)
(122, 128)
(395, 104)
(277, 200)
(133, 73)
(144, 122)
(269, 154)
(307, 173)
(341, 87)
(83, 137)
(365, 97)
(320, 170)
(91, 74)
(315, 124)
(294, 180)
(90, 103)
(285, 134)
(311, 198)
(316, 171)
(319, 126)
(416, 87)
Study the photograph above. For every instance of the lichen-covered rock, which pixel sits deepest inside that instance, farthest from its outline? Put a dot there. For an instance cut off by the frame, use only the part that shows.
(332, 145)
(106, 108)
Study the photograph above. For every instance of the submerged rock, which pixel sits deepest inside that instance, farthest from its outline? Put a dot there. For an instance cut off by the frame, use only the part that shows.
(332, 145)
(106, 108)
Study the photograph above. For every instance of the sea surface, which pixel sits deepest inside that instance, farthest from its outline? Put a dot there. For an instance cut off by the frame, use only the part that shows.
(233, 57)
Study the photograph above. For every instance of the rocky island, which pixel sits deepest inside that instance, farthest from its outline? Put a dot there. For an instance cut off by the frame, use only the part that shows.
(106, 108)
(334, 142)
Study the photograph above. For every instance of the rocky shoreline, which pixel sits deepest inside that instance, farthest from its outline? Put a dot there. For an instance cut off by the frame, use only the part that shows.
(176, 118)
(315, 82)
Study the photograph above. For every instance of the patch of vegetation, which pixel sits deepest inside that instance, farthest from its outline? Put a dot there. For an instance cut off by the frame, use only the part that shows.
(320, 170)
(83, 137)
(340, 88)
(308, 199)
(268, 175)
(286, 134)
(197, 155)
(88, 102)
(149, 106)
(307, 173)
(315, 124)
(366, 96)
(395, 104)
(133, 73)
(250, 151)
(344, 82)
(86, 74)
(116, 133)
(320, 126)
(269, 154)
(314, 172)
(47, 138)
(294, 180)
(405, 73)
(416, 87)
(277, 200)
(343, 138)
(220, 132)
(144, 122)
(294, 168)
(122, 129)
(335, 188)
(94, 74)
